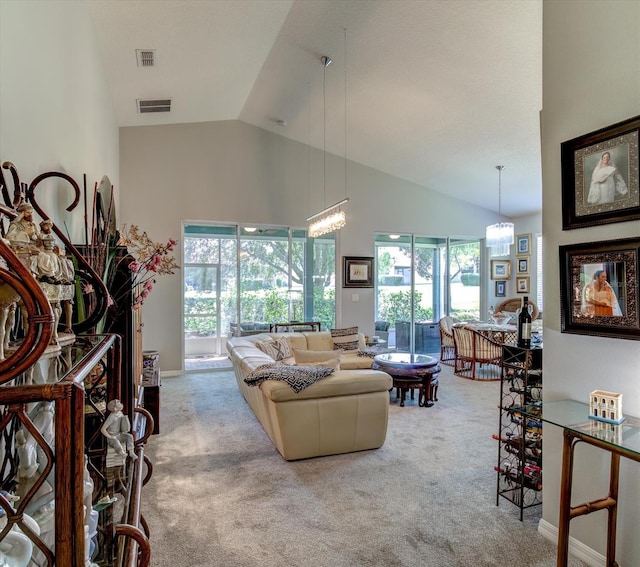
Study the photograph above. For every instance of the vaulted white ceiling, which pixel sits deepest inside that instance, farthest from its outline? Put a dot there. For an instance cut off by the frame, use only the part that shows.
(438, 92)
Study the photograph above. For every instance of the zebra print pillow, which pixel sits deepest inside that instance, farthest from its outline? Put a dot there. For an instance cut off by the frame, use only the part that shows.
(345, 339)
(277, 349)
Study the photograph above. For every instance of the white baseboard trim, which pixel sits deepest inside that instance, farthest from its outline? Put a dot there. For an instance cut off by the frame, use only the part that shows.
(576, 548)
(169, 373)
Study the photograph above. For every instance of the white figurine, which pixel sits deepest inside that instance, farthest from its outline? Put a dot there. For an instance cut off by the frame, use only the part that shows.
(116, 429)
(22, 230)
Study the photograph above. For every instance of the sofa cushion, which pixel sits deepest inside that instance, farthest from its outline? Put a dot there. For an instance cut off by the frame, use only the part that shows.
(295, 340)
(318, 341)
(302, 355)
(345, 339)
(298, 377)
(353, 361)
(277, 349)
(342, 383)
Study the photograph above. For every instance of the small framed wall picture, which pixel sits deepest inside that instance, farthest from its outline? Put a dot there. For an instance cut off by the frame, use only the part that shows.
(522, 265)
(501, 289)
(500, 269)
(357, 271)
(523, 244)
(522, 284)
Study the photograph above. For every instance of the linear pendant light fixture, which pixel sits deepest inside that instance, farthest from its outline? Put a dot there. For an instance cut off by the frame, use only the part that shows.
(499, 236)
(330, 218)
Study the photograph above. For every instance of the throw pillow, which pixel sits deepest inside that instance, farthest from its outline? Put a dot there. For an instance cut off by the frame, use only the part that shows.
(303, 355)
(278, 349)
(345, 339)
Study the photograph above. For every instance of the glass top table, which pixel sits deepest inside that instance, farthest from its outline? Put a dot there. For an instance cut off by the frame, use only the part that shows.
(574, 417)
(405, 360)
(411, 371)
(620, 440)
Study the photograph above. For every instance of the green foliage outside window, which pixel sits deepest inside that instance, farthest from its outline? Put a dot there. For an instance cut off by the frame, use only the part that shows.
(324, 306)
(200, 326)
(470, 279)
(199, 306)
(396, 306)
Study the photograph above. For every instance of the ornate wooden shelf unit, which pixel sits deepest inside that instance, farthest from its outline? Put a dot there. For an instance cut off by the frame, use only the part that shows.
(67, 499)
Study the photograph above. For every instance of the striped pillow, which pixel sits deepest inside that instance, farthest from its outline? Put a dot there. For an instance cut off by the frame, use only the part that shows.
(277, 349)
(345, 339)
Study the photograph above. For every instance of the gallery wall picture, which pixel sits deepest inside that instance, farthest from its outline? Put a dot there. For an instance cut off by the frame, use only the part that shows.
(501, 289)
(523, 244)
(522, 265)
(522, 284)
(500, 269)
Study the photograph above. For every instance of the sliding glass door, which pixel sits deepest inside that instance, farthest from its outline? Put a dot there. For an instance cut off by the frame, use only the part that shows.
(464, 278)
(209, 277)
(420, 279)
(240, 280)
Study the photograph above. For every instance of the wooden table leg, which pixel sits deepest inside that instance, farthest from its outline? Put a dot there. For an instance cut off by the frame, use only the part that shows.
(567, 512)
(568, 446)
(614, 475)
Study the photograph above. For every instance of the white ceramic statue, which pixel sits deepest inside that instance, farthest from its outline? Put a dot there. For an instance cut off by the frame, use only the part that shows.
(116, 429)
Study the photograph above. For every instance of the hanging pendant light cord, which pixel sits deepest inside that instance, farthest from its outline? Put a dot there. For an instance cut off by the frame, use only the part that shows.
(499, 168)
(309, 146)
(324, 134)
(346, 199)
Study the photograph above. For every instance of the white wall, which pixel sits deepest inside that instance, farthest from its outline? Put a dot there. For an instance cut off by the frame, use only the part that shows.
(591, 78)
(234, 172)
(55, 107)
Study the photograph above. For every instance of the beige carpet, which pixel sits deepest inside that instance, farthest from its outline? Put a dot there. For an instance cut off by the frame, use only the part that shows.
(222, 495)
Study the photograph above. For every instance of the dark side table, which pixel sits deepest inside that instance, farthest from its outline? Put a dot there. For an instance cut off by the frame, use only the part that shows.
(411, 372)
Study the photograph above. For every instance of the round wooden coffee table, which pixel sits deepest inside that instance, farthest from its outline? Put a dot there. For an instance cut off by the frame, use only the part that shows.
(411, 372)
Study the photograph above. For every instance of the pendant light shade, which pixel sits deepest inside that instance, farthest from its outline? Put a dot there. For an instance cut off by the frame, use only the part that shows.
(499, 236)
(331, 218)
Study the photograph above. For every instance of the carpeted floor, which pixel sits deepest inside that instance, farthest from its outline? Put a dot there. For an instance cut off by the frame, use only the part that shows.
(221, 495)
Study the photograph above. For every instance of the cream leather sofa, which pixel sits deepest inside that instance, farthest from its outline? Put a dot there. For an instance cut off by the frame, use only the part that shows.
(342, 413)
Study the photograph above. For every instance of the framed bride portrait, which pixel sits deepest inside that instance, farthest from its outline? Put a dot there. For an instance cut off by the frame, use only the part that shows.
(600, 176)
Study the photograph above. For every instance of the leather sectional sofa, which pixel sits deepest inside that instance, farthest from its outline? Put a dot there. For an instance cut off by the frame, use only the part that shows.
(345, 412)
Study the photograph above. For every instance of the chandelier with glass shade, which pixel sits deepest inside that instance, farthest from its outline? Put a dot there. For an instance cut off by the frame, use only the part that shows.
(499, 236)
(332, 218)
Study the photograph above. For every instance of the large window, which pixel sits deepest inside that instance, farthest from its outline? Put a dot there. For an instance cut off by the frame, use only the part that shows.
(240, 280)
(419, 279)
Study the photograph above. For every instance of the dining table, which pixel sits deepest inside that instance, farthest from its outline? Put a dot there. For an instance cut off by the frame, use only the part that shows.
(497, 333)
(502, 334)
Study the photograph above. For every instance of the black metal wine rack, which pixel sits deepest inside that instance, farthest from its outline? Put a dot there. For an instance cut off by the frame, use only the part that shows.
(519, 468)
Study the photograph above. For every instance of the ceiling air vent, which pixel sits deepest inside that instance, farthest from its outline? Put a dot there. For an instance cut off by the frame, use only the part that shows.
(154, 105)
(146, 57)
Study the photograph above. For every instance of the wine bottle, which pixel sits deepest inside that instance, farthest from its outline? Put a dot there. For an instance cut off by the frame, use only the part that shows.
(531, 474)
(531, 441)
(524, 325)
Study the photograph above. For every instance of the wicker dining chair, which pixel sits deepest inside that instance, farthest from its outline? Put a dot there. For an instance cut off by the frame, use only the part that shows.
(474, 353)
(447, 346)
(511, 305)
